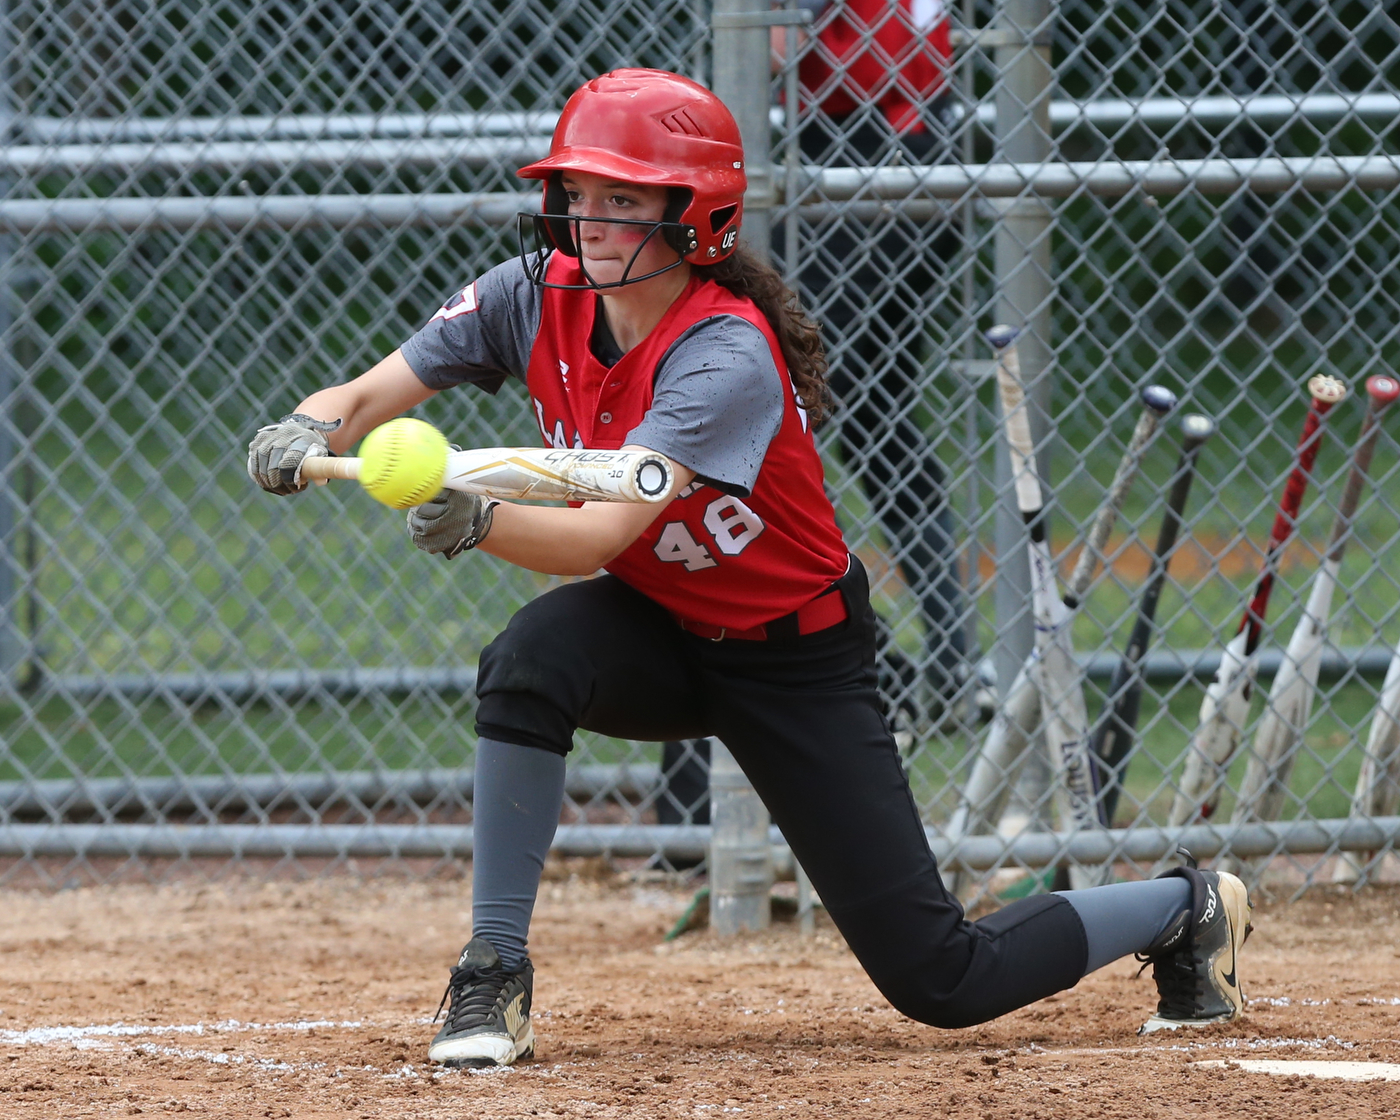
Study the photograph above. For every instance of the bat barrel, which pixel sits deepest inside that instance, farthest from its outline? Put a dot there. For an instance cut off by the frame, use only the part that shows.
(562, 474)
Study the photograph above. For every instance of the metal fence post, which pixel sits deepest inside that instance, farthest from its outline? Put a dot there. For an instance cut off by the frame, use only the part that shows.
(741, 856)
(10, 634)
(1024, 293)
(741, 68)
(741, 860)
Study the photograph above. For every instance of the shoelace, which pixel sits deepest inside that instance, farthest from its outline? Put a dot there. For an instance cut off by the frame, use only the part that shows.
(1179, 982)
(473, 992)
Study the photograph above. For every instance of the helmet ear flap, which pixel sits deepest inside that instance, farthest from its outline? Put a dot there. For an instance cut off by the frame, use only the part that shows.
(552, 230)
(681, 240)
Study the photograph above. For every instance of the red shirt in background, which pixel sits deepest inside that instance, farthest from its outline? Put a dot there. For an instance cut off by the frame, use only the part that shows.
(893, 53)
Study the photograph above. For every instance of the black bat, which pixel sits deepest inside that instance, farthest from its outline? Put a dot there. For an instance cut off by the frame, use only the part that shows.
(1116, 732)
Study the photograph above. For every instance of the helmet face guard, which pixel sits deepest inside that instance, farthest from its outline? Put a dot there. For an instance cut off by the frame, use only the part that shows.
(548, 232)
(557, 229)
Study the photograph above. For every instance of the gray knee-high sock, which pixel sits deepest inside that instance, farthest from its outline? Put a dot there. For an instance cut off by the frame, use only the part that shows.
(515, 810)
(1125, 918)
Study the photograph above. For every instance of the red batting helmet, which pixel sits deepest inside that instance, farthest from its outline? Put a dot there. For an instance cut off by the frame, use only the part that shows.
(660, 129)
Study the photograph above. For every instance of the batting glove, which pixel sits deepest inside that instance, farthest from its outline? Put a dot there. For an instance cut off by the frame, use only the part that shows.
(278, 450)
(452, 522)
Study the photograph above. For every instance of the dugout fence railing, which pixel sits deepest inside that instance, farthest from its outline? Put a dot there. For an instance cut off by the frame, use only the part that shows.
(205, 218)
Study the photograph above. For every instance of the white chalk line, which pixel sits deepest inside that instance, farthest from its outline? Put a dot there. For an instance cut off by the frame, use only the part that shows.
(1329, 1042)
(1246, 1043)
(1343, 1071)
(222, 1058)
(105, 1036)
(124, 1036)
(47, 1036)
(1289, 1001)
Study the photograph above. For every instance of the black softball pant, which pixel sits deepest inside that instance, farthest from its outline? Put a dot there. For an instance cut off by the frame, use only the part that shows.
(803, 720)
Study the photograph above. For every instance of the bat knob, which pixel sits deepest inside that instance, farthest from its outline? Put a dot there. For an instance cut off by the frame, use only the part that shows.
(1326, 389)
(1002, 335)
(1383, 389)
(1197, 427)
(1159, 399)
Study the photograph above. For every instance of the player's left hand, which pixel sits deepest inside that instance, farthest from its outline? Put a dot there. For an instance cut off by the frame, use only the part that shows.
(450, 522)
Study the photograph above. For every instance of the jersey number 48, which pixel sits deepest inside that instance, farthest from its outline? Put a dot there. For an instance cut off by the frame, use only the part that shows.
(731, 524)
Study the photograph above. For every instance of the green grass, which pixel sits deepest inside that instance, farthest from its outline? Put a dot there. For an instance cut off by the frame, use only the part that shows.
(108, 739)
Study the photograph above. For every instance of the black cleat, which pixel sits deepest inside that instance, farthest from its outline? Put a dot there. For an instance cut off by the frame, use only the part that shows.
(488, 1016)
(1195, 962)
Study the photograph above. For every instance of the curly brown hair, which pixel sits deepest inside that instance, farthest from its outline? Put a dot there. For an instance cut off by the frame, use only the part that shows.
(747, 277)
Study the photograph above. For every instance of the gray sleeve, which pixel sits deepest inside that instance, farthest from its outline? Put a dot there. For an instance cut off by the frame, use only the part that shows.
(718, 403)
(482, 335)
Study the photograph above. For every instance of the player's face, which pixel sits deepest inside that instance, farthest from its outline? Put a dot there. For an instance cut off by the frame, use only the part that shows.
(607, 248)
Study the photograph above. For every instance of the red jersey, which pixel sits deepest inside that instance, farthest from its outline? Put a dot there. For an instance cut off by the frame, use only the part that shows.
(893, 53)
(709, 557)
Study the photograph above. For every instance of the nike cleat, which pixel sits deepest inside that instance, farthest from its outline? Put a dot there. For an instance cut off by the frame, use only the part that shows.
(488, 1012)
(1195, 961)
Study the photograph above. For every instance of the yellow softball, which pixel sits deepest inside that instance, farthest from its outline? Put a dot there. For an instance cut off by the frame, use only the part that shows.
(403, 462)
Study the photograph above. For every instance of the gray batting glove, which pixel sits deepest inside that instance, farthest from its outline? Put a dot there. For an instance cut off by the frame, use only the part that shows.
(278, 450)
(451, 522)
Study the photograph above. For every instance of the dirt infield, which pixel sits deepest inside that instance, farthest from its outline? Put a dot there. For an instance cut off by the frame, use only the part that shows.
(313, 999)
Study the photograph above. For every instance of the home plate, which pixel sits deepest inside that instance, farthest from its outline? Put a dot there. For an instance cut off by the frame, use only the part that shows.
(1345, 1071)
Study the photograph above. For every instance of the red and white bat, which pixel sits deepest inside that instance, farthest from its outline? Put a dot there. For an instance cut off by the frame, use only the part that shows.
(1226, 704)
(1004, 748)
(538, 473)
(1280, 731)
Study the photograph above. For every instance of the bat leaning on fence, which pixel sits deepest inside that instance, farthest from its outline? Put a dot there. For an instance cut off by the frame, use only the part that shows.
(538, 473)
(1029, 699)
(1115, 734)
(1280, 731)
(1226, 703)
(1378, 785)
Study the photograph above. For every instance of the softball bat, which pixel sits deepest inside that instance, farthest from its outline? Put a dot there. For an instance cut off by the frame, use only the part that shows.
(1003, 749)
(1226, 704)
(536, 474)
(1115, 735)
(1379, 780)
(1280, 732)
(1053, 669)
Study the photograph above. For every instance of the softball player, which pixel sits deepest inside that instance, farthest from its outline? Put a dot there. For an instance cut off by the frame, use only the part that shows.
(735, 610)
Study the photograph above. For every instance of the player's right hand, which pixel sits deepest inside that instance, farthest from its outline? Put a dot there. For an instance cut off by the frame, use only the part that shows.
(451, 522)
(278, 450)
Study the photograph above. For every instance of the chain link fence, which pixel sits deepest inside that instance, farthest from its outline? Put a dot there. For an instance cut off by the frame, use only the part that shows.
(211, 210)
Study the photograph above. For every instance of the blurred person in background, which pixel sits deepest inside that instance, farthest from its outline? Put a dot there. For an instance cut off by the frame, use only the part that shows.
(873, 81)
